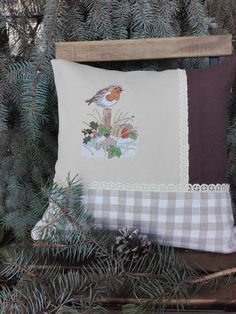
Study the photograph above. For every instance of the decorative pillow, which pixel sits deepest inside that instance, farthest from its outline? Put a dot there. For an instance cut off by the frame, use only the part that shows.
(150, 147)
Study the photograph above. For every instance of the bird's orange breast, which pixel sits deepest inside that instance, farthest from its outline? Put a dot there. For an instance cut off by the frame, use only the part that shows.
(114, 95)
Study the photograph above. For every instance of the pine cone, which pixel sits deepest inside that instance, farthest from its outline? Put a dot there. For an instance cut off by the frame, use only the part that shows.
(130, 242)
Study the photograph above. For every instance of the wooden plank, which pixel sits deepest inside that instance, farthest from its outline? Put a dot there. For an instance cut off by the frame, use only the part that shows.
(143, 49)
(221, 297)
(211, 262)
(192, 303)
(202, 311)
(179, 311)
(206, 298)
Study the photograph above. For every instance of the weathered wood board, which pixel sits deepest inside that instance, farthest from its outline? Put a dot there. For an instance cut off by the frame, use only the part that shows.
(143, 49)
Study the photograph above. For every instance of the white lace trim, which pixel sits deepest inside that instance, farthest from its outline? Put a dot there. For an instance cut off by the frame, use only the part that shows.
(183, 127)
(158, 187)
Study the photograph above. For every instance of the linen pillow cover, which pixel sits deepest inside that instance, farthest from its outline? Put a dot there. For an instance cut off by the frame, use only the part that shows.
(150, 147)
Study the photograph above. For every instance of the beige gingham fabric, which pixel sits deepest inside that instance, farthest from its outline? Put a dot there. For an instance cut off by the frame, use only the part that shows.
(199, 220)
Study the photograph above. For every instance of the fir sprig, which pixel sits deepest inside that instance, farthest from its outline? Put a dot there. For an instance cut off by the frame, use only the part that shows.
(82, 263)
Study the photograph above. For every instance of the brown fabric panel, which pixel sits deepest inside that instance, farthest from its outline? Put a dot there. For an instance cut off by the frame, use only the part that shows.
(208, 93)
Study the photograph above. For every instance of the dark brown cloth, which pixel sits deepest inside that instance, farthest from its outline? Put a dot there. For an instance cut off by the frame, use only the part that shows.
(208, 97)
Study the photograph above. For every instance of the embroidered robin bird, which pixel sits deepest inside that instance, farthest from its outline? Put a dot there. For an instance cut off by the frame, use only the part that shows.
(106, 97)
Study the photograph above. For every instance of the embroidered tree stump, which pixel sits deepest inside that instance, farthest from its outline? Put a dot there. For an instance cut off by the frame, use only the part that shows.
(107, 117)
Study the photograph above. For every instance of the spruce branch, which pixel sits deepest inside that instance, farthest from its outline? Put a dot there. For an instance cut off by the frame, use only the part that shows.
(35, 86)
(210, 277)
(135, 276)
(98, 19)
(46, 245)
(142, 19)
(20, 264)
(122, 18)
(14, 268)
(78, 218)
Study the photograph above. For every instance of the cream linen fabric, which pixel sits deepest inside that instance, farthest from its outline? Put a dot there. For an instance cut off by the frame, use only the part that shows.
(146, 96)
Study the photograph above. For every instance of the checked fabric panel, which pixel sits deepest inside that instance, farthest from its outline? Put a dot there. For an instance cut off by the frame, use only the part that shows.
(172, 218)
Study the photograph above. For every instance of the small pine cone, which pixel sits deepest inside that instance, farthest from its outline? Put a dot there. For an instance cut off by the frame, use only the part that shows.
(130, 242)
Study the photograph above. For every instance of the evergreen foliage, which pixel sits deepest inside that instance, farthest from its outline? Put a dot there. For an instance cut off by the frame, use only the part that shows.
(225, 14)
(82, 269)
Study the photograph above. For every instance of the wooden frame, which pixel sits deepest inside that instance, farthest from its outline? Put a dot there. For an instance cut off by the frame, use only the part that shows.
(164, 48)
(144, 49)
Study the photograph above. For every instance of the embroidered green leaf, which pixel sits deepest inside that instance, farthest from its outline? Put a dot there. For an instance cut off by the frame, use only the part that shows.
(87, 131)
(87, 139)
(113, 151)
(118, 152)
(133, 135)
(93, 125)
(103, 130)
